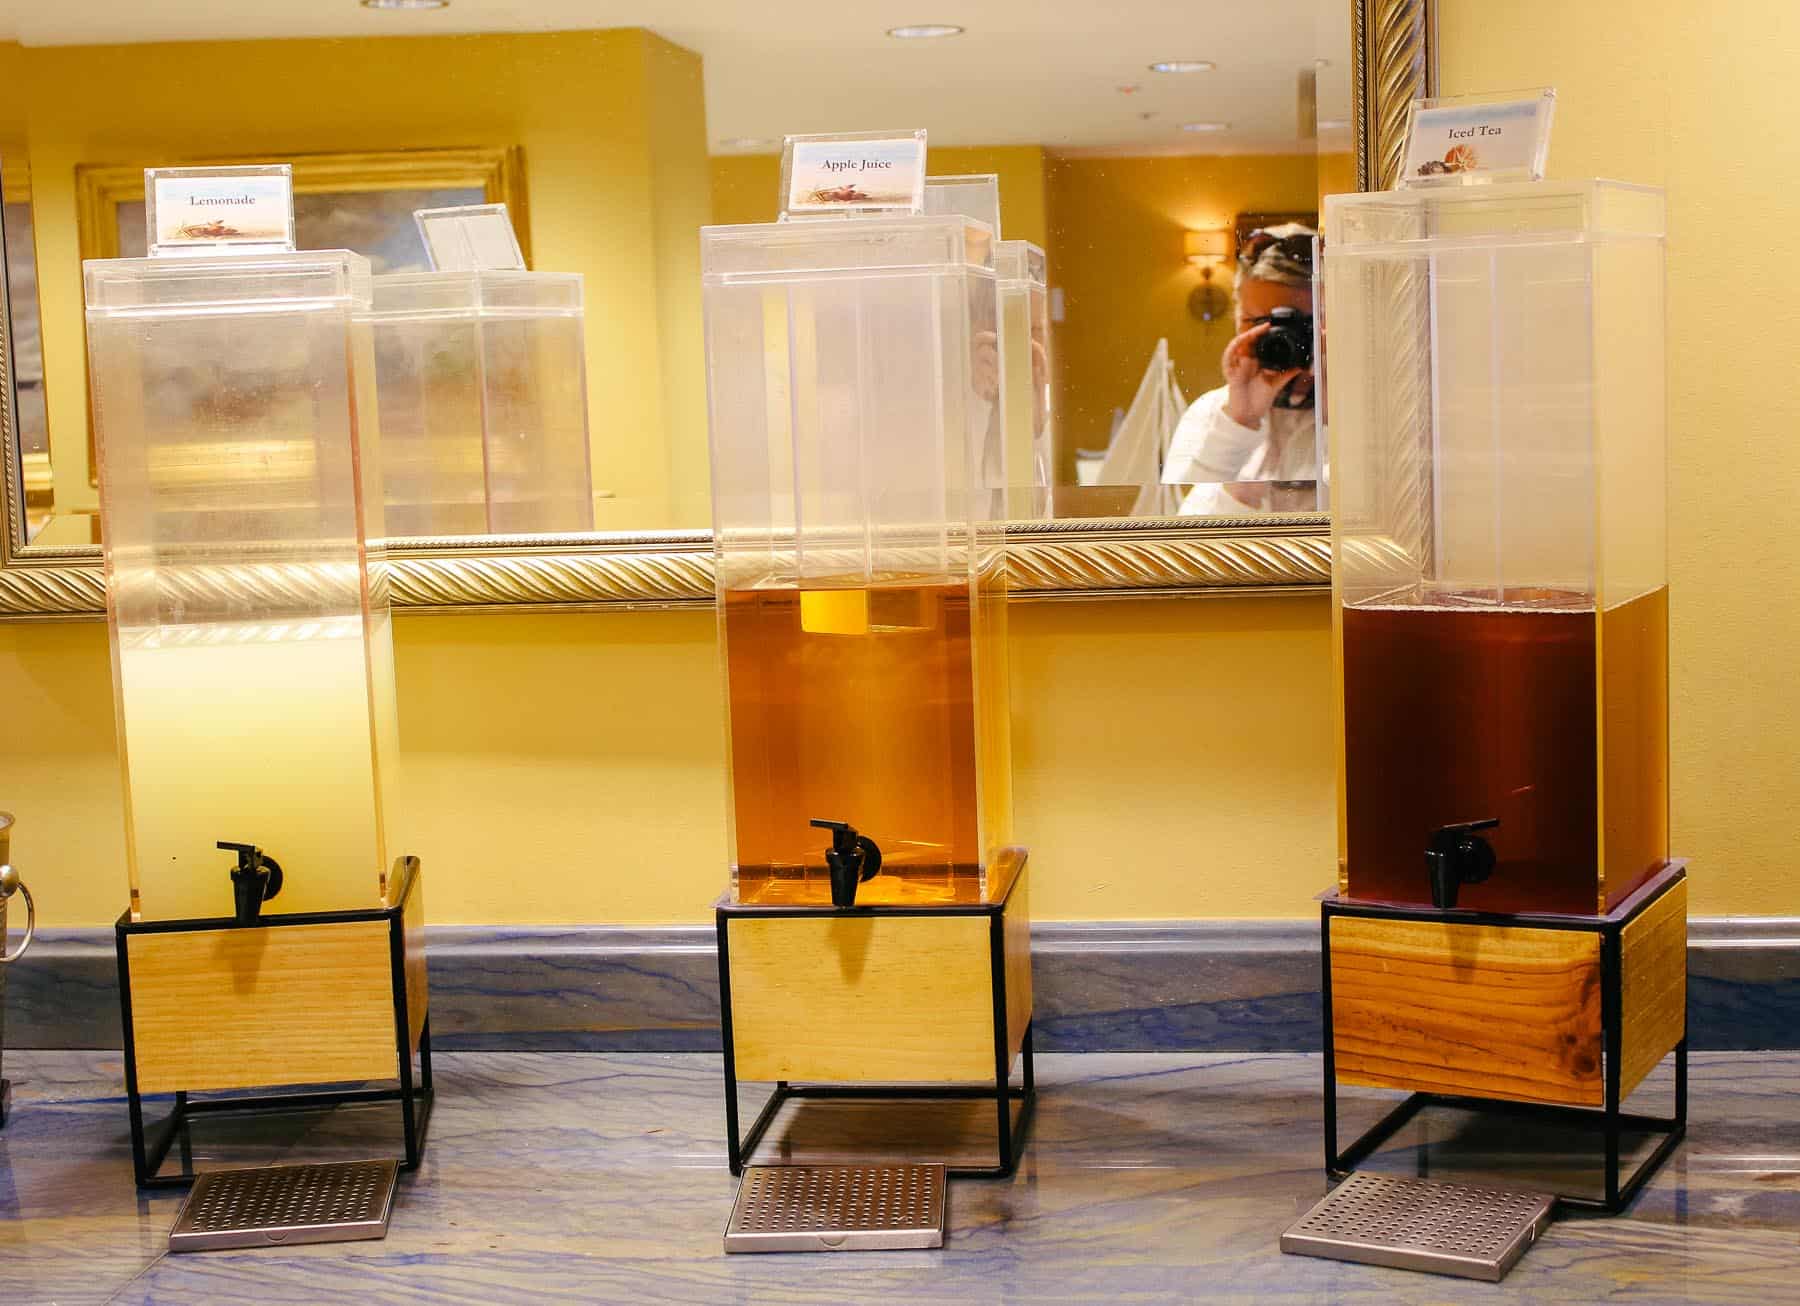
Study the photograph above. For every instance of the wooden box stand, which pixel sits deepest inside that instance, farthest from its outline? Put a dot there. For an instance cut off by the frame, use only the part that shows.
(1560, 1017)
(307, 1000)
(900, 1002)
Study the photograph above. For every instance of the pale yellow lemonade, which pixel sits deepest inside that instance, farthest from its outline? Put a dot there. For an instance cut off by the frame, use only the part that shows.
(254, 733)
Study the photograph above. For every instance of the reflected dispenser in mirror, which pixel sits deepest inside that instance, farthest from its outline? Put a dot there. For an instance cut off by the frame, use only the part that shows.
(860, 569)
(252, 652)
(1024, 370)
(1496, 403)
(483, 402)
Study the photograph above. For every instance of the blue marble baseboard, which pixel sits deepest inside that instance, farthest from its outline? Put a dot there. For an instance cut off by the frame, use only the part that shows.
(1178, 986)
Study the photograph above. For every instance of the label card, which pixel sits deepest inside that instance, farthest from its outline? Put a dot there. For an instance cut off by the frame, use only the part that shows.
(470, 238)
(1477, 138)
(219, 210)
(856, 172)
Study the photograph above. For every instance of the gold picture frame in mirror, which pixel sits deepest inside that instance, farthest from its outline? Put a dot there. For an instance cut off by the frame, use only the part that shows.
(359, 201)
(1391, 57)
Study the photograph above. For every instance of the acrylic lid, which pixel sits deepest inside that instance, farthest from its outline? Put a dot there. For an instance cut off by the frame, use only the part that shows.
(477, 293)
(290, 280)
(1019, 261)
(916, 243)
(1590, 209)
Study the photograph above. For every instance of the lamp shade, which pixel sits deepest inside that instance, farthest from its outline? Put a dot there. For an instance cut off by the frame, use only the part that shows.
(1201, 245)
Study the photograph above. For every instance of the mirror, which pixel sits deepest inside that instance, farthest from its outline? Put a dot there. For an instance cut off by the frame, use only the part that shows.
(1143, 150)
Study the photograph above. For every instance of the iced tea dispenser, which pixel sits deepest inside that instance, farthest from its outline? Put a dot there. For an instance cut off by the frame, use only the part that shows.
(860, 576)
(1508, 925)
(1496, 414)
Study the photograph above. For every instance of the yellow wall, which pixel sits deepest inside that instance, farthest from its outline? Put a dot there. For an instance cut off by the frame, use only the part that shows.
(1695, 98)
(1116, 227)
(1174, 756)
(613, 128)
(746, 187)
(569, 768)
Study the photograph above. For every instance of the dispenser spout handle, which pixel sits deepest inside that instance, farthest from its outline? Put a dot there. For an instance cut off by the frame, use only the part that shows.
(852, 859)
(256, 879)
(1457, 855)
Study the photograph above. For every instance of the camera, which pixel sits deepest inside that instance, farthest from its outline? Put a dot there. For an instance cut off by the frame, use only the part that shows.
(1288, 342)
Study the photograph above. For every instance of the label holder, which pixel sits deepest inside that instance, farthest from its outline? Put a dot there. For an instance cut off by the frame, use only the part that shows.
(855, 174)
(1465, 140)
(244, 209)
(470, 238)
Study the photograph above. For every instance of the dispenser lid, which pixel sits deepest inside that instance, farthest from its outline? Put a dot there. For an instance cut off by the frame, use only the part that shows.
(1500, 211)
(287, 281)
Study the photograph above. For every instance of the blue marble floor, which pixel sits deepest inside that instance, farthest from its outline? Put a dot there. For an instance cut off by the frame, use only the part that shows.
(554, 1177)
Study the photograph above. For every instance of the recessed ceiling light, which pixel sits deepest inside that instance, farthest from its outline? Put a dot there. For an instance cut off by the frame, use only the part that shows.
(1205, 126)
(1321, 63)
(746, 142)
(1332, 124)
(1183, 66)
(924, 31)
(405, 4)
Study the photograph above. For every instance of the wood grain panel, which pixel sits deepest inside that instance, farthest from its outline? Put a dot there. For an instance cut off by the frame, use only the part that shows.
(291, 1004)
(862, 999)
(1017, 946)
(1653, 986)
(1485, 1010)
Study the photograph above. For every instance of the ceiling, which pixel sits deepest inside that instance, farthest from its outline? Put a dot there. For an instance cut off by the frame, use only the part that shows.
(1025, 72)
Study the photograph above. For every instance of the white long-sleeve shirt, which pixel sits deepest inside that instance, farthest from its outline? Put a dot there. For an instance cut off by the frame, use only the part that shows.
(1209, 450)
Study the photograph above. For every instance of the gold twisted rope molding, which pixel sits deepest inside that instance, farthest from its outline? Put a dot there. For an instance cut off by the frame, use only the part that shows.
(1049, 560)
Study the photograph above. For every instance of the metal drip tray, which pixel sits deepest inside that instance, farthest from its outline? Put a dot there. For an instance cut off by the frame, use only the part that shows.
(1418, 1224)
(837, 1208)
(282, 1205)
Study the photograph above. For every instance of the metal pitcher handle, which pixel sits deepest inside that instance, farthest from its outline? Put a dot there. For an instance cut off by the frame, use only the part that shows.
(11, 883)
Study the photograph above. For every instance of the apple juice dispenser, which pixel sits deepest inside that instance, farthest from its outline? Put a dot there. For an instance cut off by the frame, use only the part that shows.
(1498, 543)
(860, 575)
(252, 653)
(483, 402)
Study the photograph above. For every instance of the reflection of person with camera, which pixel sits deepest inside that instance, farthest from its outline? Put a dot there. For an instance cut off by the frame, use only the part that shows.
(1241, 445)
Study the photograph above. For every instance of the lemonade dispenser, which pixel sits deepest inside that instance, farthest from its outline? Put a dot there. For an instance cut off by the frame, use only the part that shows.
(274, 935)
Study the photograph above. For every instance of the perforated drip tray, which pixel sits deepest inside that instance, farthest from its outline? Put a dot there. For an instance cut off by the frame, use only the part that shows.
(837, 1208)
(1419, 1224)
(281, 1205)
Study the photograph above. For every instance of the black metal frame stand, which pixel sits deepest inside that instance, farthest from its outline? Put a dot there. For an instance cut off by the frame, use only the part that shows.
(1009, 1134)
(150, 1147)
(1609, 1120)
(5, 1101)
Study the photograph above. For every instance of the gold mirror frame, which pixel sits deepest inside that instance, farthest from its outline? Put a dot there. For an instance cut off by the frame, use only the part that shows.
(1394, 49)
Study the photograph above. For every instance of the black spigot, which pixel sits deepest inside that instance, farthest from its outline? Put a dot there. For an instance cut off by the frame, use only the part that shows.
(256, 879)
(852, 858)
(1456, 856)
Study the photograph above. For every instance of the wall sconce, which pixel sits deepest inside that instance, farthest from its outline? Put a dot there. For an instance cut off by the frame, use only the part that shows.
(1208, 251)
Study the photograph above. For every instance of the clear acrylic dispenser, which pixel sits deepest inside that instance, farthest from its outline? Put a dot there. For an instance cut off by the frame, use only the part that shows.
(1499, 546)
(862, 588)
(253, 669)
(861, 579)
(1024, 371)
(1508, 926)
(483, 402)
